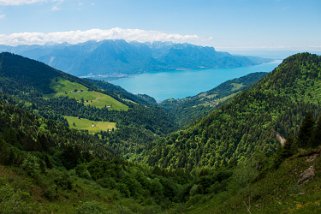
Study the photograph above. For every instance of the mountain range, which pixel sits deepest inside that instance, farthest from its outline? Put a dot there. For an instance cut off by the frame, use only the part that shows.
(117, 58)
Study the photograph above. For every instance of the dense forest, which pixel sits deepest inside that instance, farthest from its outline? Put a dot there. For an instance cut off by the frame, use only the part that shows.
(258, 151)
(248, 122)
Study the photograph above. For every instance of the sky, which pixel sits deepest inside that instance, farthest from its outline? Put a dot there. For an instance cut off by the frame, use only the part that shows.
(224, 24)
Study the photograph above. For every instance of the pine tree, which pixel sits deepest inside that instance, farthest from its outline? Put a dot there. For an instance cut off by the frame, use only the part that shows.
(316, 136)
(306, 131)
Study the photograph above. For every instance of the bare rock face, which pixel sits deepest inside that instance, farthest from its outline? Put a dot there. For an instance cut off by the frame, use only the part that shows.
(312, 157)
(306, 175)
(281, 139)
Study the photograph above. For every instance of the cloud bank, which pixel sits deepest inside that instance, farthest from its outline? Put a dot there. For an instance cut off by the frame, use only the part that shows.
(74, 37)
(19, 2)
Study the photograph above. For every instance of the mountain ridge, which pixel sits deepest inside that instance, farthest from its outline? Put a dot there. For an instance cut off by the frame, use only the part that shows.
(230, 133)
(114, 57)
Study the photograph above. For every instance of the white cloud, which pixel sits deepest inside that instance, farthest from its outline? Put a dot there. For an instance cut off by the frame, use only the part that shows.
(57, 5)
(2, 16)
(74, 37)
(55, 8)
(19, 2)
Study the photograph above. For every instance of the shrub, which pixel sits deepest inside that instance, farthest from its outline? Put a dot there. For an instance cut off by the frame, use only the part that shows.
(91, 207)
(31, 165)
(81, 171)
(108, 182)
(12, 201)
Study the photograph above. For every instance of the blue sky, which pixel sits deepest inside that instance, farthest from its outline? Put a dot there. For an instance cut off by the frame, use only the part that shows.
(226, 24)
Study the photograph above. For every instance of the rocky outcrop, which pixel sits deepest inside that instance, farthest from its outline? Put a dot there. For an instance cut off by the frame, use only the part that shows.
(306, 175)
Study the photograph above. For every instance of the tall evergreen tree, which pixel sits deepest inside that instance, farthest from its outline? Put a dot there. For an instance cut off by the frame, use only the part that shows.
(306, 130)
(316, 136)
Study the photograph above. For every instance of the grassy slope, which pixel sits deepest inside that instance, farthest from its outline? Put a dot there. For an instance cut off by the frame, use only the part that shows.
(277, 192)
(22, 192)
(74, 90)
(92, 126)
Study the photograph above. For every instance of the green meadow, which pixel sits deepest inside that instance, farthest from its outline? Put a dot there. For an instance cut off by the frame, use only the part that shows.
(89, 125)
(73, 90)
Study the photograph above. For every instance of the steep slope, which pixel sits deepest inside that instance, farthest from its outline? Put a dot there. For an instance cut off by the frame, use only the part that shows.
(47, 80)
(55, 95)
(249, 121)
(293, 187)
(113, 58)
(190, 109)
(46, 167)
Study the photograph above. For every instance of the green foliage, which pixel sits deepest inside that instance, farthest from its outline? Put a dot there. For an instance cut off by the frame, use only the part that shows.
(306, 130)
(14, 201)
(90, 125)
(248, 122)
(74, 90)
(31, 165)
(144, 119)
(68, 171)
(90, 207)
(316, 135)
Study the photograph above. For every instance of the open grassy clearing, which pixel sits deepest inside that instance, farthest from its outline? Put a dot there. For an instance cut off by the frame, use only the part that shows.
(89, 125)
(66, 88)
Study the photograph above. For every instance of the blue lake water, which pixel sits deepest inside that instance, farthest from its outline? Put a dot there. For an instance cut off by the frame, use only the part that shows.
(180, 84)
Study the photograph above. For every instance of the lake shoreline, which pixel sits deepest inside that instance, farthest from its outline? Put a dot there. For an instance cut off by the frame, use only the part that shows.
(177, 84)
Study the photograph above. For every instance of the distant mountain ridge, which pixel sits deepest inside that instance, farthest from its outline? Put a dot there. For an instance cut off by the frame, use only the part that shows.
(112, 58)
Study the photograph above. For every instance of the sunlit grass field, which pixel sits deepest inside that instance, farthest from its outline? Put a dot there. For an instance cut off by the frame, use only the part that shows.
(89, 125)
(66, 88)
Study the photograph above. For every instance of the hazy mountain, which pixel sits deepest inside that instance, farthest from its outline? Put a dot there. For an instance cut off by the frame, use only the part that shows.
(116, 57)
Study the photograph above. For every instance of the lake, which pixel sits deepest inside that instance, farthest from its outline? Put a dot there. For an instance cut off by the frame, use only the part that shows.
(180, 84)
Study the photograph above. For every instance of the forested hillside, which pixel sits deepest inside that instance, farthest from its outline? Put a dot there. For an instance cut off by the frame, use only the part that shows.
(259, 152)
(55, 94)
(248, 122)
(191, 109)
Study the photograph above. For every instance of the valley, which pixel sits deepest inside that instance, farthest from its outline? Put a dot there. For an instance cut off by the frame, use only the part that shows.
(160, 107)
(70, 156)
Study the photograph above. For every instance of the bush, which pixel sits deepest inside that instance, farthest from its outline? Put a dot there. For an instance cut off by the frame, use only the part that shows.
(51, 193)
(31, 165)
(63, 181)
(108, 182)
(81, 171)
(12, 201)
(123, 189)
(91, 207)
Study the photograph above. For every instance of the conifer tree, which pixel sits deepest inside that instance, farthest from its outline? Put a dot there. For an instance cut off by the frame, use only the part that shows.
(316, 136)
(306, 131)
